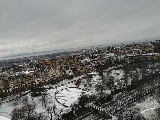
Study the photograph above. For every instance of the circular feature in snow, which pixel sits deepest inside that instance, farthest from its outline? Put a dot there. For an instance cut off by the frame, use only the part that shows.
(68, 95)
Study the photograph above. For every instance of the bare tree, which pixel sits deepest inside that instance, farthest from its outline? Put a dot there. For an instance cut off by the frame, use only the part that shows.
(44, 99)
(60, 113)
(29, 111)
(51, 110)
(40, 116)
(24, 99)
(17, 113)
(100, 87)
(132, 113)
(143, 71)
(158, 112)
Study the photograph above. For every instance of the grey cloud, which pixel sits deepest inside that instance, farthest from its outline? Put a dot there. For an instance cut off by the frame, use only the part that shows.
(37, 25)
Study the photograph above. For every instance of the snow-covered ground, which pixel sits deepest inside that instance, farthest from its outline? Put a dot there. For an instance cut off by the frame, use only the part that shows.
(147, 108)
(3, 118)
(67, 95)
(117, 74)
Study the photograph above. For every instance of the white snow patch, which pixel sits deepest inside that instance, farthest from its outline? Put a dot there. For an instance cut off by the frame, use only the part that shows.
(4, 118)
(148, 107)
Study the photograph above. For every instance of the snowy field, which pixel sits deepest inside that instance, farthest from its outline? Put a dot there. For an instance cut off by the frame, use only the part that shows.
(147, 108)
(67, 94)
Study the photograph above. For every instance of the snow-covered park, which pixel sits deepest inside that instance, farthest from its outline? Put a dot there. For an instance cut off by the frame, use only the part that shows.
(63, 95)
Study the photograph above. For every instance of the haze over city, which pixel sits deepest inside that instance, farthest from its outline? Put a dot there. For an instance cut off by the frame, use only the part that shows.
(35, 26)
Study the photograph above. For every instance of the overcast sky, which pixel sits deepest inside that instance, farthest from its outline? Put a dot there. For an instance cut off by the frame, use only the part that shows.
(40, 25)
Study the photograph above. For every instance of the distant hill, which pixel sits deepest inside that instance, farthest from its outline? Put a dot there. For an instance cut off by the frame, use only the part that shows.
(71, 49)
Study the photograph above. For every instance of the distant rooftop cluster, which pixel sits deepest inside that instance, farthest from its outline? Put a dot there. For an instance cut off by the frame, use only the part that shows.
(44, 68)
